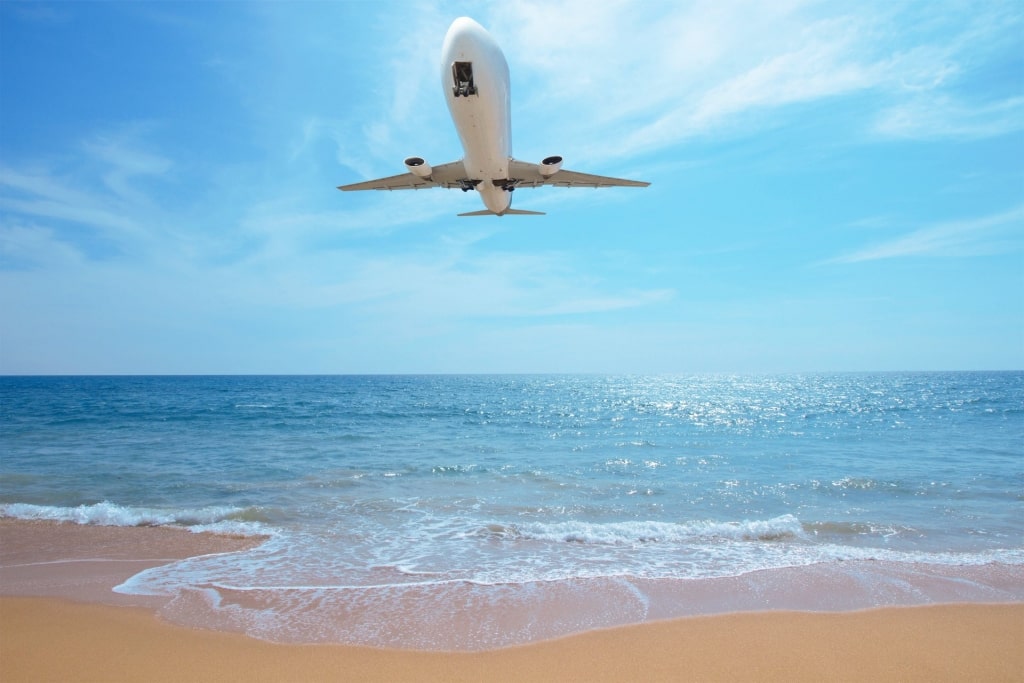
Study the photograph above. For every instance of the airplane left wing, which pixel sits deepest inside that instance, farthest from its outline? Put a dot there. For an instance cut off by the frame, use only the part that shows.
(525, 174)
(451, 176)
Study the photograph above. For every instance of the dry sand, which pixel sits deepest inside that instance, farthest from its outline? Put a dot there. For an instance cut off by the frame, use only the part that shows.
(64, 637)
(51, 640)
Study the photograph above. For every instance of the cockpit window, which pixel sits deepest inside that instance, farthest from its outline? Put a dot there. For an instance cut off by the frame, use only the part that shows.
(462, 75)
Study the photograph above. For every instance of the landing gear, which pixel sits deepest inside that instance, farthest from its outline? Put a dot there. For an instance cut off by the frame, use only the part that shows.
(462, 76)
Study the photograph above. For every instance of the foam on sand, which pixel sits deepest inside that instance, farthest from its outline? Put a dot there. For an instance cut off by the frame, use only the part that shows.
(85, 562)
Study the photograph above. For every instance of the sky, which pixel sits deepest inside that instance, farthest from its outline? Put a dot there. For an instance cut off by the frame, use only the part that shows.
(835, 186)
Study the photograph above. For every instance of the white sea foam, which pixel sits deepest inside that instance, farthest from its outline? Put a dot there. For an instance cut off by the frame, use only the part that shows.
(645, 532)
(215, 519)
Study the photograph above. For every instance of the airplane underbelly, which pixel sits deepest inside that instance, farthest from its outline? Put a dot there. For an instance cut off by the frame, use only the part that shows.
(474, 74)
(486, 149)
(476, 88)
(494, 198)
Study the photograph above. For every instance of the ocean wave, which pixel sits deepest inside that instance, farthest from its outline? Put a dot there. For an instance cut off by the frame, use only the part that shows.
(829, 528)
(215, 519)
(785, 527)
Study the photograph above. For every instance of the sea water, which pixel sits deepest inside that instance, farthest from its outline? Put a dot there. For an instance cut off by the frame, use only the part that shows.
(460, 512)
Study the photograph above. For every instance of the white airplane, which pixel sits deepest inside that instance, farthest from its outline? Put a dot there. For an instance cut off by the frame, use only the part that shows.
(474, 74)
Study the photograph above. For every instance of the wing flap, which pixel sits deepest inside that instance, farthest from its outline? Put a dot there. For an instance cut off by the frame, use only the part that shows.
(528, 175)
(405, 181)
(451, 175)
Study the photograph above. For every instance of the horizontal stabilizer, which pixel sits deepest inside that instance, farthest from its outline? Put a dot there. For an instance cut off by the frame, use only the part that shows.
(506, 212)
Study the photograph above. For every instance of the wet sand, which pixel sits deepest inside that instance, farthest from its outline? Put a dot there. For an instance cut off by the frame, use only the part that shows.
(51, 629)
(83, 563)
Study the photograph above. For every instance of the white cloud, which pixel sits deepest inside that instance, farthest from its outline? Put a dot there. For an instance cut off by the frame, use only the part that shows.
(29, 246)
(68, 191)
(972, 237)
(942, 116)
(451, 279)
(126, 160)
(43, 194)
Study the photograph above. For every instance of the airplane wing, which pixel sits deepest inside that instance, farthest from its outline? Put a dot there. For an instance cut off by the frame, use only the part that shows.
(526, 174)
(451, 176)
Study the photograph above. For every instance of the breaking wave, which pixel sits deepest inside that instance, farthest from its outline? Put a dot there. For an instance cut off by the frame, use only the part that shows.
(215, 519)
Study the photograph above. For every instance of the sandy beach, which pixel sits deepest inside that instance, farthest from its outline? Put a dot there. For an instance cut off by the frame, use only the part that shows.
(53, 640)
(53, 628)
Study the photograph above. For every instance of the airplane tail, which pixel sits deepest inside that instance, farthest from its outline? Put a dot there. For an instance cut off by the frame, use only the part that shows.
(514, 212)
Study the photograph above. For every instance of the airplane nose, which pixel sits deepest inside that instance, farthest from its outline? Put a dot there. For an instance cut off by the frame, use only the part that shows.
(465, 25)
(462, 36)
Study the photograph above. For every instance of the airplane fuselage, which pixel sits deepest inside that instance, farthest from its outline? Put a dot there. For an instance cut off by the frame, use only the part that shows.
(475, 78)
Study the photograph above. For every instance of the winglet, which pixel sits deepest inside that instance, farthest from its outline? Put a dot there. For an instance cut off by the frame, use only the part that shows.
(514, 212)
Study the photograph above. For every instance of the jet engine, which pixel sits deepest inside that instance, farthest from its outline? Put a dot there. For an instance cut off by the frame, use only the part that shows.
(550, 166)
(418, 167)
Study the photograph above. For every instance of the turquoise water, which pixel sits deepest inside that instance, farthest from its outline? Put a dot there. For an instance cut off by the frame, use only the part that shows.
(377, 489)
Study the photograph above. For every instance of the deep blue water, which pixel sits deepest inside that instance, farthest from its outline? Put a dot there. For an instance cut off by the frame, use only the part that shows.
(513, 480)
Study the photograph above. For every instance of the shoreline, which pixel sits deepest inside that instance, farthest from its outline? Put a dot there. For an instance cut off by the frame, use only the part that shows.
(83, 562)
(60, 620)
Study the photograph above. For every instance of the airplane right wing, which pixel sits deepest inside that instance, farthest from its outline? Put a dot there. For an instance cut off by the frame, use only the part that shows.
(451, 176)
(526, 174)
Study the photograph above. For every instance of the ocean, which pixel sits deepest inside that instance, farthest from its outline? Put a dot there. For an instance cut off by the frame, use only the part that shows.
(469, 512)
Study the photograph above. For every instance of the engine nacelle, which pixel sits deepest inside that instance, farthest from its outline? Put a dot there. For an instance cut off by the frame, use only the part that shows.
(550, 166)
(418, 167)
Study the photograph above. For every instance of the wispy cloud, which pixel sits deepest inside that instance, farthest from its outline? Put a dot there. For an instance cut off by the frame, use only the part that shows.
(126, 160)
(455, 278)
(25, 246)
(943, 116)
(972, 237)
(92, 200)
(674, 71)
(41, 194)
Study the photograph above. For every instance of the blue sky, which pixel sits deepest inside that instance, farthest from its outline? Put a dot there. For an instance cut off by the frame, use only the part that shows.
(835, 186)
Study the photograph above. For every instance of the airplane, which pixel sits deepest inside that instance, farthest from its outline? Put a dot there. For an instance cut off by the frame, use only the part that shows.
(475, 78)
